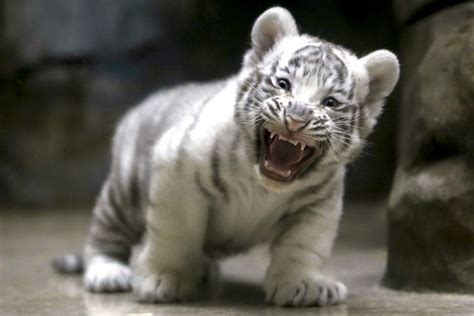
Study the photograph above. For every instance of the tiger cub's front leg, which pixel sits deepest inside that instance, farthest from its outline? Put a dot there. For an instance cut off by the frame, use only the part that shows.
(295, 277)
(172, 262)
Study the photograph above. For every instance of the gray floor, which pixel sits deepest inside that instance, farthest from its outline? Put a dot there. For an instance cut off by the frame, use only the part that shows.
(29, 239)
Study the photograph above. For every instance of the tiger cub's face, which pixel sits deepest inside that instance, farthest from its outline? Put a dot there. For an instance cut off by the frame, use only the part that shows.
(305, 103)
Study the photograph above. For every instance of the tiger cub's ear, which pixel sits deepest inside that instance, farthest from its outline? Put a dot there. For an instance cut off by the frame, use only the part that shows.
(269, 28)
(383, 71)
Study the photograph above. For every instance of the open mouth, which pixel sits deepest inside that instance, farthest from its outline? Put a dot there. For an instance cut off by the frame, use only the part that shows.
(285, 156)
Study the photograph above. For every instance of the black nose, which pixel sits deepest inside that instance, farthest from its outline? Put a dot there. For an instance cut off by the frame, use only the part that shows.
(297, 115)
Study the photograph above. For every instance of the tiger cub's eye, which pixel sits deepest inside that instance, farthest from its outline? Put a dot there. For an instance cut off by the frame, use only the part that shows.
(284, 84)
(330, 102)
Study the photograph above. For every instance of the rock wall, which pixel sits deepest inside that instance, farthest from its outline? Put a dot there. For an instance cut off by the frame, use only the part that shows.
(431, 207)
(68, 70)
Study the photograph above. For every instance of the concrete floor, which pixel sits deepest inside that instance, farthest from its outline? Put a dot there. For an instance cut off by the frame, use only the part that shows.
(28, 286)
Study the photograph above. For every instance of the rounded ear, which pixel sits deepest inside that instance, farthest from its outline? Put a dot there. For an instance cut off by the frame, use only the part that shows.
(271, 26)
(383, 70)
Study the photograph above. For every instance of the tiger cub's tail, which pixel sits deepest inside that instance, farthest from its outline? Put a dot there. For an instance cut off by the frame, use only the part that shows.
(68, 264)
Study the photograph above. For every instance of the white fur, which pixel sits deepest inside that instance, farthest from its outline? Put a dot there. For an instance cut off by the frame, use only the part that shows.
(107, 275)
(182, 220)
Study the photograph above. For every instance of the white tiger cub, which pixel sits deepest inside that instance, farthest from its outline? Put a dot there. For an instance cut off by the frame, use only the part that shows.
(213, 169)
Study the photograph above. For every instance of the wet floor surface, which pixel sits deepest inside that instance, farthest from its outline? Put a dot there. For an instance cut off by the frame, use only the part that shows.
(28, 286)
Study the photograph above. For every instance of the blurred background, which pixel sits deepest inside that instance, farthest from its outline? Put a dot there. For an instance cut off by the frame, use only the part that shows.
(70, 69)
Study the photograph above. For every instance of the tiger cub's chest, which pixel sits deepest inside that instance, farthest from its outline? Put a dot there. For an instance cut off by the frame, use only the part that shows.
(247, 217)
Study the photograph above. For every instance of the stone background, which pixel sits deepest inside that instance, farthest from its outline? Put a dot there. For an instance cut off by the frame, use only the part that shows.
(431, 205)
(70, 69)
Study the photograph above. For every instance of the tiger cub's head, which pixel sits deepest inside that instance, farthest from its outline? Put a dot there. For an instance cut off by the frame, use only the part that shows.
(305, 103)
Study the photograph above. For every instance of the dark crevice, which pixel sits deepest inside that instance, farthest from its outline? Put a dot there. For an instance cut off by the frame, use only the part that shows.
(432, 8)
(433, 151)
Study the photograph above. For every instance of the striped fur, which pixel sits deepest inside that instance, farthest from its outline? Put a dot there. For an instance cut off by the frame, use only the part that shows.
(185, 170)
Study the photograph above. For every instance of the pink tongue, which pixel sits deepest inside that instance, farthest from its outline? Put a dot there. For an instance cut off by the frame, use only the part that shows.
(284, 154)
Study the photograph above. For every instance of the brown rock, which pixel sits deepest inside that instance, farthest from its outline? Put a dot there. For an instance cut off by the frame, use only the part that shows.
(431, 207)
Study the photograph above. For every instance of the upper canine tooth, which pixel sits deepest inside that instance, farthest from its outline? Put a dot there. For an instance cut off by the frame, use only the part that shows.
(303, 146)
(272, 134)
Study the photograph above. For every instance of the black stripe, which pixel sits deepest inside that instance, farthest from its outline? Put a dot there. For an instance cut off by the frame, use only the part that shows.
(208, 195)
(314, 49)
(265, 90)
(306, 71)
(274, 68)
(318, 128)
(268, 81)
(245, 86)
(265, 115)
(295, 62)
(351, 89)
(320, 121)
(108, 223)
(349, 129)
(117, 216)
(353, 119)
(215, 168)
(255, 86)
(135, 199)
(104, 220)
(199, 184)
(277, 104)
(115, 201)
(118, 249)
(340, 67)
(302, 55)
(119, 219)
(234, 146)
(305, 192)
(197, 115)
(273, 110)
(325, 76)
(258, 141)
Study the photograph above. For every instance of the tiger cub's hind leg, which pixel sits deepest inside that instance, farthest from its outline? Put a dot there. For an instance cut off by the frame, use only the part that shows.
(109, 245)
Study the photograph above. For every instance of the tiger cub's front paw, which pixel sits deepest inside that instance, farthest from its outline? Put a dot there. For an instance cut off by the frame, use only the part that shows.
(164, 287)
(303, 291)
(107, 275)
